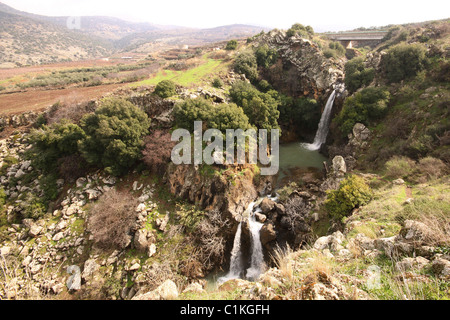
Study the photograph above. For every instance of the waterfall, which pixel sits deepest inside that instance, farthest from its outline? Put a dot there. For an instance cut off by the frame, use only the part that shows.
(257, 257)
(236, 267)
(322, 131)
(257, 261)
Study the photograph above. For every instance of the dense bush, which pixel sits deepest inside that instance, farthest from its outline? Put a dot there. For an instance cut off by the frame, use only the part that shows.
(364, 107)
(245, 63)
(357, 75)
(217, 83)
(260, 108)
(231, 45)
(265, 57)
(165, 89)
(221, 117)
(352, 193)
(302, 112)
(53, 142)
(335, 49)
(400, 167)
(403, 61)
(298, 29)
(114, 135)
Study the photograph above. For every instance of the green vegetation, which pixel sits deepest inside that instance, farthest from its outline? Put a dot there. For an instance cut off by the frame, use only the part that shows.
(357, 75)
(298, 29)
(364, 107)
(352, 193)
(303, 112)
(334, 50)
(165, 89)
(217, 83)
(265, 57)
(114, 135)
(53, 142)
(245, 63)
(231, 45)
(260, 108)
(222, 117)
(404, 61)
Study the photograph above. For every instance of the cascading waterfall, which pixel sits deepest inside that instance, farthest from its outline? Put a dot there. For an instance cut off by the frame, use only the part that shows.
(257, 261)
(257, 256)
(322, 131)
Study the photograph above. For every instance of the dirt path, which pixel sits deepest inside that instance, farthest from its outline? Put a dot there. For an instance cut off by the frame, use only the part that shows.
(37, 100)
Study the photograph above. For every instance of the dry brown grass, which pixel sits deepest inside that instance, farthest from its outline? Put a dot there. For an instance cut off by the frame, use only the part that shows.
(283, 261)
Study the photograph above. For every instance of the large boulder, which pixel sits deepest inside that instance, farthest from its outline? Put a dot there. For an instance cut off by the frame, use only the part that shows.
(166, 291)
(267, 233)
(267, 205)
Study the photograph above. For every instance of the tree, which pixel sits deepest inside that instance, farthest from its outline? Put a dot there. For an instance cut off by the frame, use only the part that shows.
(300, 30)
(157, 150)
(260, 108)
(357, 75)
(231, 45)
(245, 63)
(114, 135)
(403, 61)
(165, 89)
(265, 57)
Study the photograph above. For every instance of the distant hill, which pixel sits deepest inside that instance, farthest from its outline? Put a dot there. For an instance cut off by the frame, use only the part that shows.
(28, 38)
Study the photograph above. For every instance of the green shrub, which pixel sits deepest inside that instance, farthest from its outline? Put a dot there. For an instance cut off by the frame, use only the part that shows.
(364, 107)
(403, 61)
(298, 29)
(260, 108)
(217, 83)
(245, 63)
(53, 142)
(114, 135)
(165, 89)
(400, 167)
(352, 193)
(221, 117)
(231, 45)
(265, 57)
(357, 75)
(301, 112)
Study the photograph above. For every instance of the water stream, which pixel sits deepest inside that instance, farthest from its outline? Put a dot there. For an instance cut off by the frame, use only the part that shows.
(322, 130)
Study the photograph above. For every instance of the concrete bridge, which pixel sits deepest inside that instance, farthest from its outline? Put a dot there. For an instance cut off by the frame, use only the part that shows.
(358, 38)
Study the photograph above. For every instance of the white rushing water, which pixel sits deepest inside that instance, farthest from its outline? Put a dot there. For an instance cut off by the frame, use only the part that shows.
(257, 256)
(322, 131)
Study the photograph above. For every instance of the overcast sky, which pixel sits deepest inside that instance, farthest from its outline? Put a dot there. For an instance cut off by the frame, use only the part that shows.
(322, 15)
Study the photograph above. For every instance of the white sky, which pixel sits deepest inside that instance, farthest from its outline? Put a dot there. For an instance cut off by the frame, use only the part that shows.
(322, 15)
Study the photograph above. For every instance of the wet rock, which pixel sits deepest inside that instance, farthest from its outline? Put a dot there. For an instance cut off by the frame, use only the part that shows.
(267, 205)
(267, 233)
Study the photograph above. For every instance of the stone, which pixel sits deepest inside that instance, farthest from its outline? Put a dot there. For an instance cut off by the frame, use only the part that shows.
(415, 231)
(4, 251)
(281, 210)
(58, 236)
(339, 166)
(267, 205)
(260, 217)
(80, 182)
(194, 287)
(141, 207)
(322, 243)
(90, 267)
(151, 250)
(411, 263)
(398, 182)
(441, 267)
(19, 174)
(35, 230)
(267, 233)
(140, 240)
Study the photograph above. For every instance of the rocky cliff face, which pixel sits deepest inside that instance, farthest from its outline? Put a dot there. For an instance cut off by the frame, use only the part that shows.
(302, 69)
